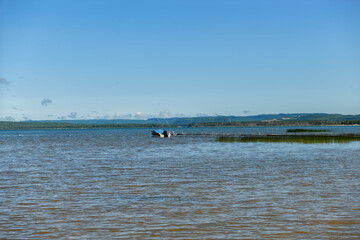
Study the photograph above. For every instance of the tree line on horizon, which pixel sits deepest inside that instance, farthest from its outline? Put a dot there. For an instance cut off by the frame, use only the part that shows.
(63, 125)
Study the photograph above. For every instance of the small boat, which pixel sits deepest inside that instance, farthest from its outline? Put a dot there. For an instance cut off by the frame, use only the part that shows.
(162, 133)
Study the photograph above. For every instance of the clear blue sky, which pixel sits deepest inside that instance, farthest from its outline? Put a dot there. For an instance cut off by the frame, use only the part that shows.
(116, 58)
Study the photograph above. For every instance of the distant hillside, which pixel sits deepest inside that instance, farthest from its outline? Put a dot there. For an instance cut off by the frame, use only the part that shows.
(183, 121)
(303, 119)
(328, 117)
(282, 119)
(264, 118)
(255, 118)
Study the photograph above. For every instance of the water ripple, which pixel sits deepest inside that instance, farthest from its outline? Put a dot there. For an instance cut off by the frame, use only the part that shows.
(124, 184)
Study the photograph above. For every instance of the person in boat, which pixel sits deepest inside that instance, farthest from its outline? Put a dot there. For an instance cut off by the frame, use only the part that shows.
(162, 133)
(166, 134)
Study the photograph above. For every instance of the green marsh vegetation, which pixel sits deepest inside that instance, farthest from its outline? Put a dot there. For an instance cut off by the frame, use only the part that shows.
(300, 130)
(307, 139)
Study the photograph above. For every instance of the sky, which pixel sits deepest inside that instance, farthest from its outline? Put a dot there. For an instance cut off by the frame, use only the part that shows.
(112, 59)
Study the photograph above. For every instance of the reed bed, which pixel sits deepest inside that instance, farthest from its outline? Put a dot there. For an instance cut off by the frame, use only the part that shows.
(303, 130)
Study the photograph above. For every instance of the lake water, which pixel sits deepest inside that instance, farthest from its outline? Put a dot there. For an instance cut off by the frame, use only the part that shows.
(125, 184)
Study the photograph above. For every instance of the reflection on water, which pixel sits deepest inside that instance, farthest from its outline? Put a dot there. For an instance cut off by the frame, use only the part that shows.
(86, 184)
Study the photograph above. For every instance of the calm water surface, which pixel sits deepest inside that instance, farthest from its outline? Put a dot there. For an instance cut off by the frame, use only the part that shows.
(125, 184)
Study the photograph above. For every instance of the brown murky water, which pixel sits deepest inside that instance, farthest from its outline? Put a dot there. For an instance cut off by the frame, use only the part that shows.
(125, 184)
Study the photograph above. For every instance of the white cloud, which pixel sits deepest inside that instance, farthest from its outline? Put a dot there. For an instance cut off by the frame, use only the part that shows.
(25, 117)
(140, 115)
(116, 116)
(179, 115)
(46, 102)
(7, 118)
(72, 115)
(165, 114)
(3, 81)
(143, 116)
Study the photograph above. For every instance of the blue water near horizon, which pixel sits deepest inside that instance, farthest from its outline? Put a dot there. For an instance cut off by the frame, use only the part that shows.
(125, 184)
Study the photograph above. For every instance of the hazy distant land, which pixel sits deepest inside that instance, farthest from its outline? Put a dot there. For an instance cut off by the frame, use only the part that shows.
(299, 119)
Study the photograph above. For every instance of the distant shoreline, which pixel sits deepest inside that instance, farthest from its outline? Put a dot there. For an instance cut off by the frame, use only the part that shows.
(64, 126)
(262, 120)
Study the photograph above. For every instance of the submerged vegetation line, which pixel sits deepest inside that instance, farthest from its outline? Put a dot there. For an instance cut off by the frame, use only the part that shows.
(296, 130)
(340, 138)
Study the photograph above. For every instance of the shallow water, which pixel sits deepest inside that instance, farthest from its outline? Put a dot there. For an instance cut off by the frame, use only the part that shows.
(125, 184)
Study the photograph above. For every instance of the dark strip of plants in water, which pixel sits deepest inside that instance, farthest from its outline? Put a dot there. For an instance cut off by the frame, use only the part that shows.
(343, 138)
(306, 130)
